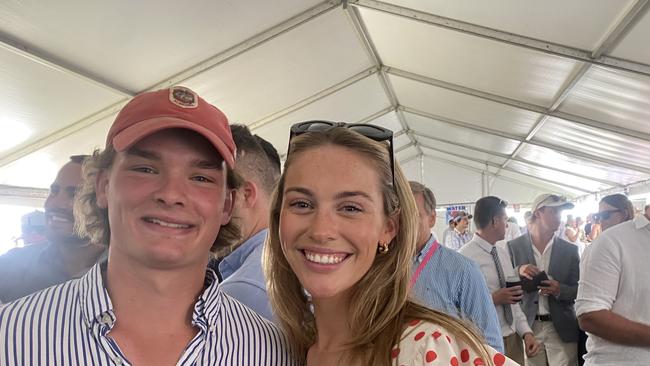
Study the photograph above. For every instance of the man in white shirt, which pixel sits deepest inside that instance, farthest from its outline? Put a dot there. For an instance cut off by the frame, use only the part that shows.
(613, 295)
(549, 307)
(490, 220)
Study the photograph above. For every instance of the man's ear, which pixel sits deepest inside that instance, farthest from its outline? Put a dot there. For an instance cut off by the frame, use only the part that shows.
(250, 193)
(101, 188)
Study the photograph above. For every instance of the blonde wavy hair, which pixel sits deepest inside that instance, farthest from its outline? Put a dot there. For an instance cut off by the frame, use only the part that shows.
(92, 220)
(380, 306)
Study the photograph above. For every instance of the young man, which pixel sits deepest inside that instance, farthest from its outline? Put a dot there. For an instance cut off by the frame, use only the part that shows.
(446, 280)
(491, 220)
(460, 235)
(258, 163)
(549, 310)
(65, 255)
(613, 295)
(160, 196)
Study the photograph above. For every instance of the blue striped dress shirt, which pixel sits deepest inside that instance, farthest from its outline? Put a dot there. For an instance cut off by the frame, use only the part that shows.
(454, 284)
(69, 324)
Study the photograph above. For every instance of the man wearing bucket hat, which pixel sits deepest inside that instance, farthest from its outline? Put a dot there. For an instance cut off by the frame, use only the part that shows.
(160, 196)
(549, 267)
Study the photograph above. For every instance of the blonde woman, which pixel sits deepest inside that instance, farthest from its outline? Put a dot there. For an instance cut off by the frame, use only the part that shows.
(338, 257)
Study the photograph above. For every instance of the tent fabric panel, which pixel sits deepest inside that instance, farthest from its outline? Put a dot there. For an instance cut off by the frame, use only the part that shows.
(465, 157)
(438, 175)
(615, 97)
(465, 136)
(559, 177)
(466, 60)
(431, 146)
(36, 99)
(279, 73)
(555, 159)
(388, 120)
(596, 142)
(552, 187)
(463, 107)
(149, 41)
(628, 48)
(353, 103)
(39, 169)
(557, 21)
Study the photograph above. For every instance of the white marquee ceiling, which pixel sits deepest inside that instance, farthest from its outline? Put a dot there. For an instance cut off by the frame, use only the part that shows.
(511, 98)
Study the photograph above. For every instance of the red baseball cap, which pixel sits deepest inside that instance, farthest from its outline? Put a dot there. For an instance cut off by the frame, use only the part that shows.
(176, 107)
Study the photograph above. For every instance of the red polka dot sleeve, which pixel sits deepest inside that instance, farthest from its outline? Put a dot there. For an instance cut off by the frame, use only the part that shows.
(425, 343)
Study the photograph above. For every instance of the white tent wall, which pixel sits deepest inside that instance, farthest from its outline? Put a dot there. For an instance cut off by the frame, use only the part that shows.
(513, 98)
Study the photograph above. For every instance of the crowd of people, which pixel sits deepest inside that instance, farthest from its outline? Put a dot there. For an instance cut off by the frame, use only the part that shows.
(183, 242)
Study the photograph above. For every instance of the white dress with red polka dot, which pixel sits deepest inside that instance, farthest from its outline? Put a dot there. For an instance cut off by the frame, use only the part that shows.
(425, 343)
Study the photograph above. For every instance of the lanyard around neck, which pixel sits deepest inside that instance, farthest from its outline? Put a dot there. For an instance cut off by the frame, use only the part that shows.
(424, 262)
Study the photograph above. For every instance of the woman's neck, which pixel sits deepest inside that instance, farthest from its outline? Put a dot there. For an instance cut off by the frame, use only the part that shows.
(332, 323)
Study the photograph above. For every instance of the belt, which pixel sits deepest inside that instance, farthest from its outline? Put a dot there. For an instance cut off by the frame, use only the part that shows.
(543, 318)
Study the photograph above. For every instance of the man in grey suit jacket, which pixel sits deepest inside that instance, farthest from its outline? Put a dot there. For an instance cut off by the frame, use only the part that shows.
(549, 308)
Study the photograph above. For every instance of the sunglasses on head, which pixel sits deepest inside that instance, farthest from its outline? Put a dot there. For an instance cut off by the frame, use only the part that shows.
(373, 132)
(605, 215)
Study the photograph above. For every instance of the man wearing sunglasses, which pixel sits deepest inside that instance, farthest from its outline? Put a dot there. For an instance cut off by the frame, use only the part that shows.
(553, 265)
(613, 294)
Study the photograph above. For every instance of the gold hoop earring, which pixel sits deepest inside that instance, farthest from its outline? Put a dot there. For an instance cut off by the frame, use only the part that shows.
(382, 248)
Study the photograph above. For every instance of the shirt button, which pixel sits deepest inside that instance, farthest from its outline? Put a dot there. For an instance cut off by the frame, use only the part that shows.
(117, 360)
(106, 319)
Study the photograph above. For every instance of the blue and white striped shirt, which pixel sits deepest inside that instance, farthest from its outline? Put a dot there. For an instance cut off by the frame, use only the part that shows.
(68, 324)
(454, 284)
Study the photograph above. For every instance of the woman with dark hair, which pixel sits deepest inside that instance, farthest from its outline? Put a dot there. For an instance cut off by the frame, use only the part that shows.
(342, 235)
(614, 209)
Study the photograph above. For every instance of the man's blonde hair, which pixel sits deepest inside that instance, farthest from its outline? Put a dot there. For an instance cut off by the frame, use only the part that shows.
(380, 306)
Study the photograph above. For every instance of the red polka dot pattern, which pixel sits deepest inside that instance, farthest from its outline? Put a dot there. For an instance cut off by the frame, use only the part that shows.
(419, 336)
(448, 339)
(431, 356)
(464, 355)
(414, 322)
(499, 359)
(394, 352)
(479, 362)
(436, 335)
(454, 361)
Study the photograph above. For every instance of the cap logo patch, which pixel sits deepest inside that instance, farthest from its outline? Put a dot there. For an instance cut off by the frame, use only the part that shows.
(183, 97)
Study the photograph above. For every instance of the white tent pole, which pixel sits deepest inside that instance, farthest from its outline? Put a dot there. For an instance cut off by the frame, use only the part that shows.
(638, 9)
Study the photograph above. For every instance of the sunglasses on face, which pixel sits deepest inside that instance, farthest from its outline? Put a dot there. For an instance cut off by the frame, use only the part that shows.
(373, 132)
(605, 215)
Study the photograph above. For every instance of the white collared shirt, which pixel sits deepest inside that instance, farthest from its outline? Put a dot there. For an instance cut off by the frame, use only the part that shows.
(543, 261)
(479, 250)
(614, 273)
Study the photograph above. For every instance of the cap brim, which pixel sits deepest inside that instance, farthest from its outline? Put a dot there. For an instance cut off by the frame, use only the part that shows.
(129, 136)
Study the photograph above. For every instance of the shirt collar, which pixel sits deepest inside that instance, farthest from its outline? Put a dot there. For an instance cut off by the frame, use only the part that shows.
(419, 256)
(236, 259)
(96, 303)
(206, 309)
(482, 243)
(94, 298)
(640, 221)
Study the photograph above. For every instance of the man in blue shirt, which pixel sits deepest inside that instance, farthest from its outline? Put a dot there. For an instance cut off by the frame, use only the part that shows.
(258, 163)
(160, 196)
(65, 255)
(448, 281)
